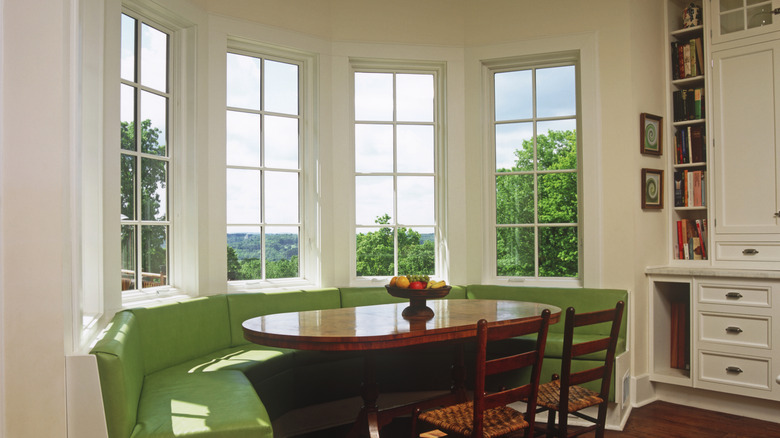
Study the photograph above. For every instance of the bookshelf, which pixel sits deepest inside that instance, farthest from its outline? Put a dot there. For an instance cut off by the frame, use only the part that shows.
(671, 330)
(687, 97)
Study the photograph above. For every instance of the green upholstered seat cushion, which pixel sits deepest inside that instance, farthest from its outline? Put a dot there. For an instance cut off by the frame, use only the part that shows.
(367, 296)
(243, 306)
(121, 370)
(215, 404)
(174, 333)
(582, 299)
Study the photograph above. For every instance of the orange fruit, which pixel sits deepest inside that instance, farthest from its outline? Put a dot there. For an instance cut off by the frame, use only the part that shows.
(402, 282)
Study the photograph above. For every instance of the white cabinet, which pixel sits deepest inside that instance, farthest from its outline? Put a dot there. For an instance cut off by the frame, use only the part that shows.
(746, 162)
(732, 342)
(735, 19)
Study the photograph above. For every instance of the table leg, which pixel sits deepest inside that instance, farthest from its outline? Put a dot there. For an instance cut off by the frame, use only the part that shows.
(459, 374)
(368, 418)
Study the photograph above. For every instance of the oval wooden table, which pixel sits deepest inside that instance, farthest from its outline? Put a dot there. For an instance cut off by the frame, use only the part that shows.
(370, 328)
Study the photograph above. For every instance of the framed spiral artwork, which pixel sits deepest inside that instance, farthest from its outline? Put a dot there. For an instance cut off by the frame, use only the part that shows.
(652, 188)
(651, 134)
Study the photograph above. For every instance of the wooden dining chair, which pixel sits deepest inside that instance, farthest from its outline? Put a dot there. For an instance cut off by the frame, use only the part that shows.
(564, 394)
(489, 415)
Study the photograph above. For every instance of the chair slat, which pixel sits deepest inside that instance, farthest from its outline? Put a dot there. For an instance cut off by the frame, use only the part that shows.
(588, 347)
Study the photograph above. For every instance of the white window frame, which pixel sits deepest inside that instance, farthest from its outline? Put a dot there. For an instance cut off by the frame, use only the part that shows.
(582, 49)
(437, 69)
(182, 242)
(309, 183)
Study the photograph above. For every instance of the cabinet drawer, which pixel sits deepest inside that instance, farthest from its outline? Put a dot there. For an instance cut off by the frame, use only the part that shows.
(732, 370)
(738, 295)
(740, 330)
(748, 251)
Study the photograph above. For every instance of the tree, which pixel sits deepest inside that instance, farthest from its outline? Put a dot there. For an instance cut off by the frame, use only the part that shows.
(375, 252)
(153, 174)
(556, 204)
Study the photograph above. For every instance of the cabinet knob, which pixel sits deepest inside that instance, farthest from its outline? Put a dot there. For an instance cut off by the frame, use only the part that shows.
(776, 11)
(750, 251)
(733, 330)
(736, 295)
(778, 213)
(736, 370)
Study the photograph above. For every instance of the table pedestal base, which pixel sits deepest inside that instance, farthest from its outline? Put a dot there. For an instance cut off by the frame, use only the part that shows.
(371, 419)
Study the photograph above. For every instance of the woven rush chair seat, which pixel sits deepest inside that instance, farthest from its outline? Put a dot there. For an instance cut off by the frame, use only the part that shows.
(579, 397)
(500, 421)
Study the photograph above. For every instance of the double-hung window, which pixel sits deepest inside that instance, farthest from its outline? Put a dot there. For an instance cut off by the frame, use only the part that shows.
(264, 167)
(396, 152)
(146, 153)
(535, 169)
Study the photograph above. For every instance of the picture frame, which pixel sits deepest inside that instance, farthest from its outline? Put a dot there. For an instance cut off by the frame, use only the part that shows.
(651, 138)
(652, 189)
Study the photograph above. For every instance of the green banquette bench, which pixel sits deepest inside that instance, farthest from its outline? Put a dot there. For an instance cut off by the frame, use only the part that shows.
(185, 369)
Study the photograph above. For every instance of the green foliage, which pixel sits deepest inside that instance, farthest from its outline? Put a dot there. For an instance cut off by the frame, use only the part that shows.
(245, 252)
(375, 252)
(557, 203)
(154, 180)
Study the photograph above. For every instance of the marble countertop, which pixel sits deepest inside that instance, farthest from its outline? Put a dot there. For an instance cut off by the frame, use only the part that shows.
(711, 272)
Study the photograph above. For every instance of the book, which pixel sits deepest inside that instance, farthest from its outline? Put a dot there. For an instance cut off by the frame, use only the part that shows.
(701, 239)
(674, 315)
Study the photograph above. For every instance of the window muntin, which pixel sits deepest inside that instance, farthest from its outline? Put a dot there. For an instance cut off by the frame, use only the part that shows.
(395, 143)
(264, 171)
(534, 124)
(145, 155)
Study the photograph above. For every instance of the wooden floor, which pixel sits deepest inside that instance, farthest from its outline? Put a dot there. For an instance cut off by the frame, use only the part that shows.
(658, 419)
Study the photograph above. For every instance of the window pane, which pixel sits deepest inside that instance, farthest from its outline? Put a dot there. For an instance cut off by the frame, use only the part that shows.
(243, 196)
(244, 253)
(154, 196)
(514, 147)
(515, 252)
(153, 125)
(127, 68)
(414, 96)
(558, 256)
(514, 199)
(373, 200)
(374, 96)
(558, 198)
(726, 5)
(154, 58)
(416, 250)
(415, 148)
(373, 148)
(374, 252)
(129, 259)
(556, 145)
(281, 142)
(128, 187)
(243, 139)
(127, 117)
(281, 246)
(154, 244)
(555, 92)
(280, 89)
(415, 200)
(281, 197)
(243, 81)
(514, 95)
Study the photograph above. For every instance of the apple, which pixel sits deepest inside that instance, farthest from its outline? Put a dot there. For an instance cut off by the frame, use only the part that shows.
(417, 285)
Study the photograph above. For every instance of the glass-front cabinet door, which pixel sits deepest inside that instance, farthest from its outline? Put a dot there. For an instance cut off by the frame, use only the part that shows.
(743, 18)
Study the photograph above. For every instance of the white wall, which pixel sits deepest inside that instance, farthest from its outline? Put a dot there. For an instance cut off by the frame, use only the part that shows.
(35, 215)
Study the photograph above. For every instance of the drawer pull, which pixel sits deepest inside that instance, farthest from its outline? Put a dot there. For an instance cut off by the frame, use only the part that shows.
(733, 330)
(736, 295)
(736, 370)
(750, 251)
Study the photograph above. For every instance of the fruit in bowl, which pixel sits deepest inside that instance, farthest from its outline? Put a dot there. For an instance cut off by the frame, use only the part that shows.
(416, 282)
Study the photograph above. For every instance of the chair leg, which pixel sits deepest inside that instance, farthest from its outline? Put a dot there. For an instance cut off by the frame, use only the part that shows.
(563, 424)
(550, 423)
(602, 420)
(415, 414)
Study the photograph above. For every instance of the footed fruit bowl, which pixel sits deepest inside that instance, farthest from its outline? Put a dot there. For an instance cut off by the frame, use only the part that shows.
(417, 297)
